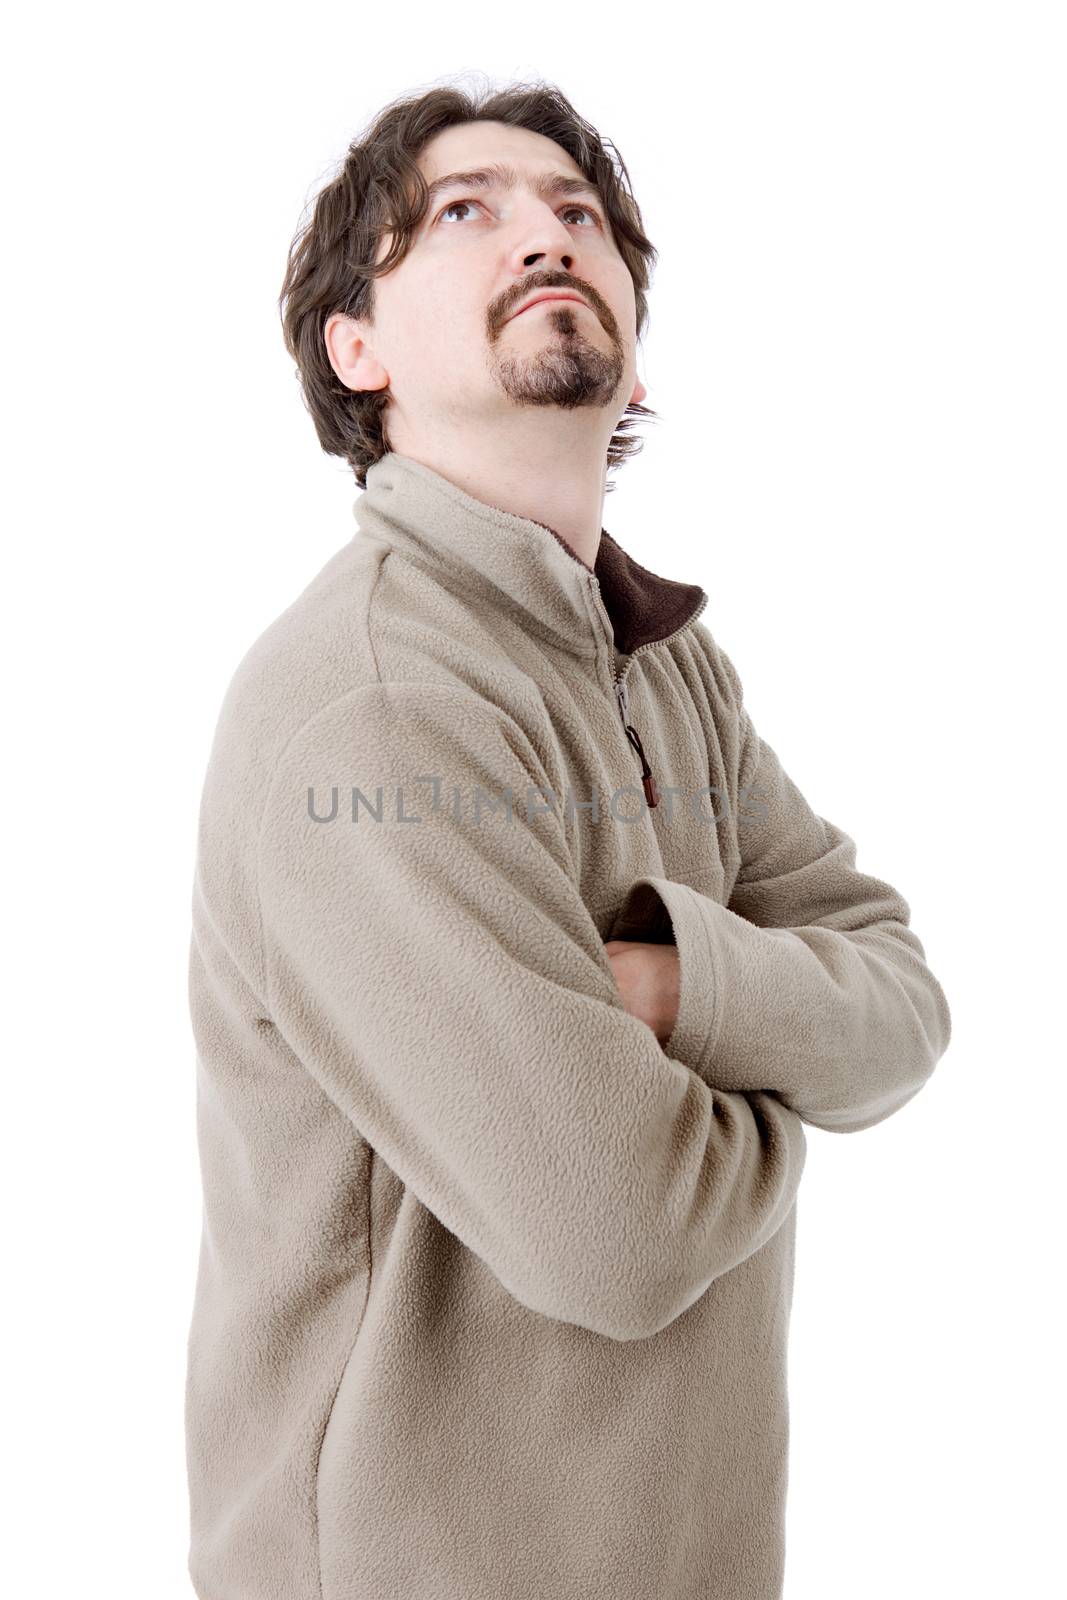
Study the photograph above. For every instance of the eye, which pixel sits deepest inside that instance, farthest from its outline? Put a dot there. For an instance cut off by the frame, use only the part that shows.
(588, 211)
(470, 201)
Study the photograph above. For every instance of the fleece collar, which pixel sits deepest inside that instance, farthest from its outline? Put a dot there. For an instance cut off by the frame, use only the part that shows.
(512, 561)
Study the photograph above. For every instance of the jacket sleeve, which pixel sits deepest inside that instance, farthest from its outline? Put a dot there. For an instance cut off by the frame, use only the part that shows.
(433, 966)
(809, 983)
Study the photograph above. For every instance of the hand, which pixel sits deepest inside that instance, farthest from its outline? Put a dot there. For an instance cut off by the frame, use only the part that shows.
(648, 980)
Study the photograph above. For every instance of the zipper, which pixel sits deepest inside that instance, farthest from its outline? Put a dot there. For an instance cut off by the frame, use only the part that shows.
(622, 696)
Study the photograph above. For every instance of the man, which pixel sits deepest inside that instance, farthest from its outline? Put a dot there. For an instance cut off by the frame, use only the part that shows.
(519, 965)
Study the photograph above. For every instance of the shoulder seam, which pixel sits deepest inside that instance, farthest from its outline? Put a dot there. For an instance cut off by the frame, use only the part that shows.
(268, 786)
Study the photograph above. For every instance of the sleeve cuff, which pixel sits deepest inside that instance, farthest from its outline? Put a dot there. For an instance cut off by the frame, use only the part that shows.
(663, 911)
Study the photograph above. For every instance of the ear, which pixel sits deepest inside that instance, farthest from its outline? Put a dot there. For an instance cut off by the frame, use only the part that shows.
(349, 354)
(639, 393)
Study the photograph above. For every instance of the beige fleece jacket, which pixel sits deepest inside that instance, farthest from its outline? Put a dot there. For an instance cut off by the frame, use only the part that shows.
(494, 1290)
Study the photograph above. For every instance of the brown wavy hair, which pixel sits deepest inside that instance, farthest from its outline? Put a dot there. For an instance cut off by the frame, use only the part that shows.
(332, 267)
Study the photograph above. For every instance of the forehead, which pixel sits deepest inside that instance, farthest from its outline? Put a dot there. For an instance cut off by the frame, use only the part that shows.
(481, 144)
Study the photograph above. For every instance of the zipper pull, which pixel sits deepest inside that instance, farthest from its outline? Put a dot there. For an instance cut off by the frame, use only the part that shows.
(648, 782)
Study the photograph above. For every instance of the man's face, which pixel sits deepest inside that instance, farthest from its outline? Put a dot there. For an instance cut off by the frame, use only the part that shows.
(447, 335)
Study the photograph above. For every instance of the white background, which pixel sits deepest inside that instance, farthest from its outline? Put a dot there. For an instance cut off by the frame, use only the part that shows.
(857, 350)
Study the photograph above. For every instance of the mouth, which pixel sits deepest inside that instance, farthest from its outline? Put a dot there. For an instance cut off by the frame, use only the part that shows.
(547, 299)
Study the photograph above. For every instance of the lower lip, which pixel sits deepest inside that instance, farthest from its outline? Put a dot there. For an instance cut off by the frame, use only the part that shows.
(552, 300)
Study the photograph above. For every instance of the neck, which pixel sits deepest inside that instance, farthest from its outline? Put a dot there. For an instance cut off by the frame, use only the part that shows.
(536, 477)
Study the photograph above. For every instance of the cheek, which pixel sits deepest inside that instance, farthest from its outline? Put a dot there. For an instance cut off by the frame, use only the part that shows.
(438, 339)
(419, 325)
(625, 299)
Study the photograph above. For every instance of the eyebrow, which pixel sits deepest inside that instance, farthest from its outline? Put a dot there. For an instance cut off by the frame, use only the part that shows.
(499, 172)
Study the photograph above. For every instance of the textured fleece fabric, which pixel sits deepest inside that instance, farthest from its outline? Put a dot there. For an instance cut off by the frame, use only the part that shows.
(494, 1290)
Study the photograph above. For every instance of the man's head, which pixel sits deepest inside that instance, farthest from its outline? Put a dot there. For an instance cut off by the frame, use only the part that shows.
(404, 298)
